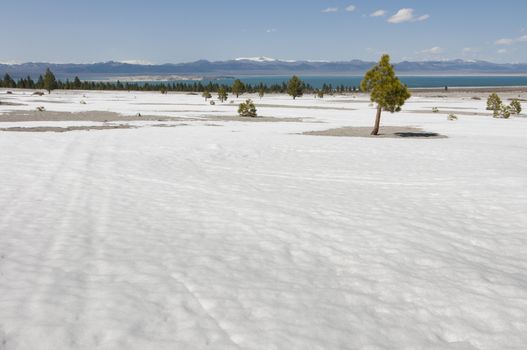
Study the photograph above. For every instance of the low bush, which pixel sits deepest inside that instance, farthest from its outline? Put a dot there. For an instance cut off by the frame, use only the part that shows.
(494, 104)
(247, 109)
(516, 106)
(505, 111)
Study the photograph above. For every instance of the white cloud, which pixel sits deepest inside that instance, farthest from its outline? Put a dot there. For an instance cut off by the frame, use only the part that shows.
(433, 51)
(378, 13)
(10, 62)
(406, 15)
(403, 15)
(502, 51)
(139, 62)
(330, 10)
(504, 42)
(423, 18)
(350, 8)
(521, 39)
(272, 30)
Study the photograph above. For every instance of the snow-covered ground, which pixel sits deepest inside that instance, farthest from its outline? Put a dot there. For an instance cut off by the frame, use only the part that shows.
(240, 235)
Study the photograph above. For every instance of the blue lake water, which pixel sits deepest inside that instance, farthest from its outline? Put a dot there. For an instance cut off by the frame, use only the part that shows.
(411, 81)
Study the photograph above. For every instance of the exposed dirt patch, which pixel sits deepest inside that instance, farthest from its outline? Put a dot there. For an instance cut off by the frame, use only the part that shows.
(4, 103)
(67, 128)
(251, 119)
(450, 111)
(94, 116)
(385, 132)
(168, 125)
(308, 107)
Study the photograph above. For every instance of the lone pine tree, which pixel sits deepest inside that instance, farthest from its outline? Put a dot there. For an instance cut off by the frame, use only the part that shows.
(50, 83)
(295, 87)
(238, 87)
(222, 94)
(385, 89)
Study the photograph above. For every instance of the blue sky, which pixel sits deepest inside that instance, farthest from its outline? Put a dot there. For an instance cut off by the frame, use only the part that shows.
(160, 31)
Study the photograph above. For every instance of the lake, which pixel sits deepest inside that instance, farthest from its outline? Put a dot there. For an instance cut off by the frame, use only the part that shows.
(411, 81)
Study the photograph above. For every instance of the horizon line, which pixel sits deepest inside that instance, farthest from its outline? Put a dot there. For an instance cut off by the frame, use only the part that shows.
(251, 59)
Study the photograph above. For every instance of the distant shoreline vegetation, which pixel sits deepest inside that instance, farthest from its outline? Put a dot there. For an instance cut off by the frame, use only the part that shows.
(49, 82)
(318, 81)
(269, 84)
(412, 81)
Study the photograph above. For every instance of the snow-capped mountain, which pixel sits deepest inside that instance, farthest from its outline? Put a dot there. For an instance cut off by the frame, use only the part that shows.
(256, 66)
(256, 59)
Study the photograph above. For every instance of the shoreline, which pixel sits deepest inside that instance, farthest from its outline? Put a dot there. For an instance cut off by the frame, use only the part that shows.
(520, 89)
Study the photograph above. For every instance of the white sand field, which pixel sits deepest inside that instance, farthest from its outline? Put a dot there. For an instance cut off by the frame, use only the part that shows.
(209, 232)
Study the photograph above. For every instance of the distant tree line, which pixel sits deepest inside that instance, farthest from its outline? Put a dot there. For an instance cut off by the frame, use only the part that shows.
(48, 82)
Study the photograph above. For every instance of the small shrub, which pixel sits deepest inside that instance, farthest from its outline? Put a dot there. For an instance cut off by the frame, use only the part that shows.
(9, 92)
(494, 104)
(435, 110)
(222, 94)
(38, 93)
(212, 103)
(320, 94)
(476, 98)
(452, 117)
(83, 102)
(41, 109)
(516, 106)
(247, 109)
(505, 111)
(206, 95)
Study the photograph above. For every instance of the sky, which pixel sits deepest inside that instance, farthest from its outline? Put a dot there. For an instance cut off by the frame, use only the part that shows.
(166, 31)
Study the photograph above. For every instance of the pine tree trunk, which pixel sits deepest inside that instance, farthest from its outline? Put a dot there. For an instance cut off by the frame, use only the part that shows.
(375, 130)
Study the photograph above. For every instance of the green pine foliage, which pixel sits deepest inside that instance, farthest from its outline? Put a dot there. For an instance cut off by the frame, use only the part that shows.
(222, 94)
(386, 90)
(238, 88)
(247, 109)
(494, 104)
(8, 82)
(50, 82)
(261, 91)
(77, 84)
(295, 87)
(505, 111)
(206, 95)
(516, 106)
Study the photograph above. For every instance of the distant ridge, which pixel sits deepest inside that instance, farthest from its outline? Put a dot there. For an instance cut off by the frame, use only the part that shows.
(256, 66)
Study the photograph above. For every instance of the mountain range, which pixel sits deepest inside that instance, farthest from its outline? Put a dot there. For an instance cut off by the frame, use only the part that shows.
(256, 66)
